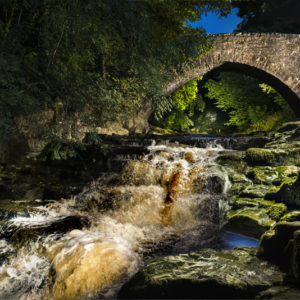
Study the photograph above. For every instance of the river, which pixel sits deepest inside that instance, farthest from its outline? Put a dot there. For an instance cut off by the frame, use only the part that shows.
(170, 200)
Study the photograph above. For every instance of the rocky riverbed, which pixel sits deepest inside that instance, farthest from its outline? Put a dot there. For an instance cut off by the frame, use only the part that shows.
(248, 185)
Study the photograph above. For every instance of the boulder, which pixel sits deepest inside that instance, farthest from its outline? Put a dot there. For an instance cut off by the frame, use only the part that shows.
(288, 192)
(232, 159)
(140, 173)
(206, 274)
(260, 157)
(274, 243)
(250, 221)
(272, 175)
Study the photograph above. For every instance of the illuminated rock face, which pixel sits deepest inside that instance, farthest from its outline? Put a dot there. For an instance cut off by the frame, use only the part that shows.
(273, 58)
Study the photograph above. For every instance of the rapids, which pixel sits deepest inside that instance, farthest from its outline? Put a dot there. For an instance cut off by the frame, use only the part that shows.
(167, 201)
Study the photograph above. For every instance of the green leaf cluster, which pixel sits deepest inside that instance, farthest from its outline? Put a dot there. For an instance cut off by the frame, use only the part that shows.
(185, 103)
(60, 149)
(252, 105)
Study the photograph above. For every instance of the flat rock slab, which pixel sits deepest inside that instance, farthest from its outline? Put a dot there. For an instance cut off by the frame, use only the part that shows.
(207, 274)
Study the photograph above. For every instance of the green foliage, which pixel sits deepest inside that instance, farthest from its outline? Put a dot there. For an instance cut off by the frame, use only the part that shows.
(177, 120)
(185, 96)
(252, 105)
(59, 149)
(103, 56)
(184, 103)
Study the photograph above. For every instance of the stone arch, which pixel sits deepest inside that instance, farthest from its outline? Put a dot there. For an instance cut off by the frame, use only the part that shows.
(273, 58)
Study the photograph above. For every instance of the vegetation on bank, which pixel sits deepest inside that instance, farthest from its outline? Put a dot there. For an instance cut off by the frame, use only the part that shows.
(101, 59)
(98, 58)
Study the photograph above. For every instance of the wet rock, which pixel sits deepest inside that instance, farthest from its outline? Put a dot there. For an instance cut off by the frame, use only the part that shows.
(34, 193)
(272, 175)
(245, 142)
(276, 243)
(140, 173)
(254, 191)
(10, 209)
(205, 274)
(232, 159)
(216, 180)
(280, 292)
(293, 255)
(288, 127)
(291, 216)
(22, 232)
(274, 210)
(295, 135)
(288, 192)
(250, 221)
(260, 157)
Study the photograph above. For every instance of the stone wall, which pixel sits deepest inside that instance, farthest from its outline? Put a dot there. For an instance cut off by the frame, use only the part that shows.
(275, 56)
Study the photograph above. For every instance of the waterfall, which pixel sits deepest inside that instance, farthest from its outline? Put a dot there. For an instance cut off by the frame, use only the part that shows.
(167, 201)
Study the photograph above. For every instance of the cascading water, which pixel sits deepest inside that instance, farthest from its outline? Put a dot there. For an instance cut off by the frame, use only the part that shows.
(165, 202)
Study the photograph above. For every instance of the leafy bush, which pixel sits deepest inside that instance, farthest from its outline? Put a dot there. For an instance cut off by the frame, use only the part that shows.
(251, 105)
(59, 149)
(185, 104)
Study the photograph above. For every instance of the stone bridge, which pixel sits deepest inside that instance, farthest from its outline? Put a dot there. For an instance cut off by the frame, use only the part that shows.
(273, 58)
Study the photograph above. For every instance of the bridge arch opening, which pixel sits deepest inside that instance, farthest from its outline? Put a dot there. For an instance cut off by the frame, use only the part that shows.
(290, 97)
(256, 74)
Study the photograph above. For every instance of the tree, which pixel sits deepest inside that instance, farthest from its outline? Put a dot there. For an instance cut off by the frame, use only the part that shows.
(101, 56)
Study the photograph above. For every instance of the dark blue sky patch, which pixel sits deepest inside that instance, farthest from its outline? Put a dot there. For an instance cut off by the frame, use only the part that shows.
(212, 23)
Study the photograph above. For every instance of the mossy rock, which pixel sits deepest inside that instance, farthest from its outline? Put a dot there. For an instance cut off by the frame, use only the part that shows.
(206, 274)
(273, 243)
(240, 203)
(272, 175)
(274, 210)
(250, 221)
(288, 192)
(260, 157)
(291, 216)
(232, 159)
(237, 187)
(254, 191)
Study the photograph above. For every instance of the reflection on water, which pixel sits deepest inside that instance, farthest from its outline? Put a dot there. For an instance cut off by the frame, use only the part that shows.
(231, 240)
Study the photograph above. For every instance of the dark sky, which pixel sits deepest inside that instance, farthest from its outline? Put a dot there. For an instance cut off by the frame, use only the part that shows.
(214, 24)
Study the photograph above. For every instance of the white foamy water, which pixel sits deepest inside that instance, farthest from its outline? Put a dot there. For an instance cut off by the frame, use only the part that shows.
(153, 204)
